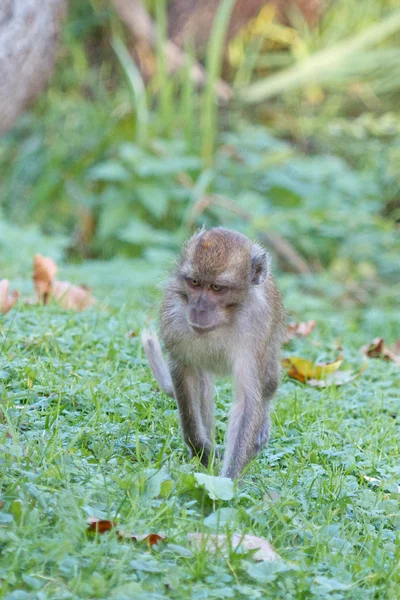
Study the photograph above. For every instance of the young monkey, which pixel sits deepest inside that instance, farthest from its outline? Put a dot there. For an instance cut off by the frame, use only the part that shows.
(221, 313)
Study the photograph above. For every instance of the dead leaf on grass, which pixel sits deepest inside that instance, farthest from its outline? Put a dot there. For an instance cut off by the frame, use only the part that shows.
(222, 543)
(104, 525)
(303, 369)
(376, 481)
(151, 539)
(7, 301)
(299, 330)
(44, 270)
(69, 296)
(378, 349)
(100, 525)
(320, 375)
(72, 297)
(132, 334)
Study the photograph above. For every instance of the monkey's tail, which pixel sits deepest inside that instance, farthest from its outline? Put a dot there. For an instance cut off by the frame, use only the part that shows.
(156, 362)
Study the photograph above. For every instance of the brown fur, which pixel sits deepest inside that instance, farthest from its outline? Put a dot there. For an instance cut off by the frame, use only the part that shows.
(236, 330)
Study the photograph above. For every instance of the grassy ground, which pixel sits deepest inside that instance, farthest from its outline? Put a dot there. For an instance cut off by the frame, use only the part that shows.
(85, 432)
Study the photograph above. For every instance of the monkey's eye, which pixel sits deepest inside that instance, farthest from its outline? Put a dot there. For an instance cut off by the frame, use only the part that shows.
(216, 288)
(194, 282)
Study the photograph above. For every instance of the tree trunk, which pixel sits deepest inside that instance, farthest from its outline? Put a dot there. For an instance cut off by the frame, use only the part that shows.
(29, 31)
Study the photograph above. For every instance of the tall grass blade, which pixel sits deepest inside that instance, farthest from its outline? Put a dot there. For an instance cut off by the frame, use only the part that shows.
(137, 87)
(188, 96)
(317, 68)
(164, 83)
(215, 52)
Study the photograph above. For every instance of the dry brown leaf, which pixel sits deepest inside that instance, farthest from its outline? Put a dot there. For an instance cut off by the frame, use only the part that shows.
(1, 504)
(222, 543)
(72, 297)
(132, 334)
(299, 330)
(304, 370)
(69, 296)
(44, 269)
(337, 378)
(104, 525)
(319, 374)
(7, 301)
(100, 525)
(378, 349)
(151, 539)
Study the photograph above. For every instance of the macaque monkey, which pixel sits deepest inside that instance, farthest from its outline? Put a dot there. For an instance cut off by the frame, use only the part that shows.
(221, 314)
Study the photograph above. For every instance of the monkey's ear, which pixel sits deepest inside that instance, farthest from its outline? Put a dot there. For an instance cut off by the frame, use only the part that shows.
(259, 265)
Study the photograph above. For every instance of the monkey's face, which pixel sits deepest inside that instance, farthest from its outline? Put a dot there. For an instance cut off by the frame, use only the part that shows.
(217, 269)
(209, 305)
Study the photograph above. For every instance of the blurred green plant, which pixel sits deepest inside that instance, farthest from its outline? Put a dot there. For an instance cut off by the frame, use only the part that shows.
(124, 170)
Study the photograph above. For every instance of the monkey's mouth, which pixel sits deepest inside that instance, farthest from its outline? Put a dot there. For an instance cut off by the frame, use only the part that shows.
(202, 330)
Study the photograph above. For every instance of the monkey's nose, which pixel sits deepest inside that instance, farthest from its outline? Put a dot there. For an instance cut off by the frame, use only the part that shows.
(197, 315)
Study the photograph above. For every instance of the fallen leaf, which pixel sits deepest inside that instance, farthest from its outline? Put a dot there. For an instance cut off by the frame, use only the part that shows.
(69, 296)
(100, 525)
(1, 504)
(378, 349)
(151, 539)
(104, 525)
(299, 330)
(338, 377)
(44, 269)
(372, 479)
(376, 481)
(214, 543)
(320, 375)
(7, 301)
(303, 370)
(72, 297)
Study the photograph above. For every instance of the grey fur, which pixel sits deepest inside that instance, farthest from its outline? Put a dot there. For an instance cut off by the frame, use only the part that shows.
(237, 332)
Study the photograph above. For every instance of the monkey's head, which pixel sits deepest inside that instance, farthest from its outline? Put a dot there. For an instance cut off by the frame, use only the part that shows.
(217, 270)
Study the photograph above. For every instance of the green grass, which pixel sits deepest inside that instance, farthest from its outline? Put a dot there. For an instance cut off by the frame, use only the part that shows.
(85, 432)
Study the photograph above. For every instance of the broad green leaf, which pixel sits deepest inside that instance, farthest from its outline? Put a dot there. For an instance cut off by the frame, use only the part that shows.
(5, 518)
(221, 518)
(154, 198)
(108, 171)
(113, 215)
(331, 585)
(163, 165)
(155, 479)
(218, 488)
(266, 571)
(141, 234)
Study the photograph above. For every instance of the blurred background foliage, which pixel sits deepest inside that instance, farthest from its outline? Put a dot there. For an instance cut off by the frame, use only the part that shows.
(121, 158)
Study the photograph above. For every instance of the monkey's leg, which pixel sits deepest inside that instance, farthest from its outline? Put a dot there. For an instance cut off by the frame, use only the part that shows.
(244, 425)
(187, 393)
(207, 404)
(270, 385)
